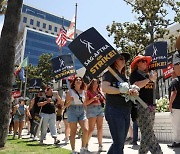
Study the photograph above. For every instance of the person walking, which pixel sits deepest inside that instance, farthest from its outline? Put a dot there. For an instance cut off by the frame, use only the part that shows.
(141, 77)
(76, 112)
(48, 113)
(117, 109)
(174, 101)
(95, 112)
(20, 111)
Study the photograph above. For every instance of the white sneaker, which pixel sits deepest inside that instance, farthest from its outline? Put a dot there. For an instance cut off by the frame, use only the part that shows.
(66, 140)
(73, 152)
(82, 151)
(100, 149)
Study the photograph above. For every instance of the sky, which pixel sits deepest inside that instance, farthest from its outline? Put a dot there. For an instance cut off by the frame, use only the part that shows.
(90, 13)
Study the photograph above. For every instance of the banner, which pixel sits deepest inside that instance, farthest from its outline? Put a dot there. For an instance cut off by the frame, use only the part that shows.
(168, 71)
(35, 85)
(63, 67)
(93, 51)
(158, 52)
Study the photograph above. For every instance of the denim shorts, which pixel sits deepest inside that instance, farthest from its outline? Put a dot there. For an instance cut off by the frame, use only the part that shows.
(19, 118)
(94, 111)
(76, 113)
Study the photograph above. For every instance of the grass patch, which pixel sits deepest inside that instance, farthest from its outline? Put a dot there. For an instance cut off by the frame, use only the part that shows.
(25, 146)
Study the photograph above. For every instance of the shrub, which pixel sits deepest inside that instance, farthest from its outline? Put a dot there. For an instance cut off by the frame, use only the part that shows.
(162, 105)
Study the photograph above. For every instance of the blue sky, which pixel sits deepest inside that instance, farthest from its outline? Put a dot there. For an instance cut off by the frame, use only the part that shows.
(90, 13)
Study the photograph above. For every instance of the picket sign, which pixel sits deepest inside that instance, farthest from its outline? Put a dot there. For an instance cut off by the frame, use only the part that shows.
(119, 79)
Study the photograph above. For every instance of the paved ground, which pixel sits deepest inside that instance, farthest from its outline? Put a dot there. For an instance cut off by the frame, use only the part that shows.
(93, 146)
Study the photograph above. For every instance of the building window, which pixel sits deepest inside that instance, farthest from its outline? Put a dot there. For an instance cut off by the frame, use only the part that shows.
(25, 20)
(34, 27)
(50, 27)
(31, 21)
(38, 24)
(44, 25)
(55, 29)
(52, 33)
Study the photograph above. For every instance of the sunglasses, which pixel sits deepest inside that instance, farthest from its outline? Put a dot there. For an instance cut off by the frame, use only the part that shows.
(143, 61)
(78, 79)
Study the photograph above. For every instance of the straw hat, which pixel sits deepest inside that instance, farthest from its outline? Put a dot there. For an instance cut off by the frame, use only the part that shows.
(138, 58)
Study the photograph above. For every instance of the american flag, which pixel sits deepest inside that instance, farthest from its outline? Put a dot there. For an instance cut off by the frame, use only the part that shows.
(61, 39)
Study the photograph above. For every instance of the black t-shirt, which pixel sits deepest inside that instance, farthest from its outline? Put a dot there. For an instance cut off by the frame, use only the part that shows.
(146, 92)
(36, 107)
(116, 100)
(175, 86)
(49, 108)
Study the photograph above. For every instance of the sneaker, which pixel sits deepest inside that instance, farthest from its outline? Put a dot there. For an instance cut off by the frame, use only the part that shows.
(66, 140)
(174, 145)
(41, 143)
(19, 137)
(73, 152)
(14, 135)
(56, 141)
(100, 149)
(83, 151)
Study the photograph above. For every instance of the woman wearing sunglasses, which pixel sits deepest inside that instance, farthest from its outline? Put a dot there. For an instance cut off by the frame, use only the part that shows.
(117, 110)
(76, 112)
(141, 77)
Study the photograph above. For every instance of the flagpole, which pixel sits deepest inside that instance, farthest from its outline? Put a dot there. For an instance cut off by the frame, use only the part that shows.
(75, 20)
(25, 85)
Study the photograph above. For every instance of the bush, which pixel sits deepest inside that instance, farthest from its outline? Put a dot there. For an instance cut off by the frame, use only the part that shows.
(162, 105)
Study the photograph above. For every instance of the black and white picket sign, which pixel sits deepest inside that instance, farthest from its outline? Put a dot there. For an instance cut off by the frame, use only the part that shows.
(35, 85)
(63, 66)
(158, 52)
(93, 51)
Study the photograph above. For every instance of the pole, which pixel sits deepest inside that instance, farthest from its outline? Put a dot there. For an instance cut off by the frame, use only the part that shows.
(75, 21)
(25, 86)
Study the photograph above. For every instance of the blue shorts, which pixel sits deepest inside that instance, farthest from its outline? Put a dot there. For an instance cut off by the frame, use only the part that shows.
(76, 113)
(19, 118)
(94, 111)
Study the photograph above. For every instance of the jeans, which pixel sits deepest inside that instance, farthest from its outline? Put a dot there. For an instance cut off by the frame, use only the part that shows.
(118, 120)
(135, 132)
(48, 120)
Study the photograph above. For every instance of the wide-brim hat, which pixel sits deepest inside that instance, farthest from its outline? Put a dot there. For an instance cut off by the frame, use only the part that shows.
(138, 58)
(125, 55)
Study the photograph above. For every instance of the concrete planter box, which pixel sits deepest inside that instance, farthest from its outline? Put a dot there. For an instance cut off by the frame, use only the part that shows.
(162, 127)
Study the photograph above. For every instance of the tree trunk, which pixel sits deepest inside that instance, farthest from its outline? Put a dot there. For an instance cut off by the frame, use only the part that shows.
(7, 55)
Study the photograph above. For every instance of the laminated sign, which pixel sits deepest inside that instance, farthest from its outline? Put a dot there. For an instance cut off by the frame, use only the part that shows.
(35, 85)
(63, 67)
(158, 52)
(93, 51)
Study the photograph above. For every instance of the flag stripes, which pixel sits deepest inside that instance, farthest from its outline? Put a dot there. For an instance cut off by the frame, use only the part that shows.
(61, 40)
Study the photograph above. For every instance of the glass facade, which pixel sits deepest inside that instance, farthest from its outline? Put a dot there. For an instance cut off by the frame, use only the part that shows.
(38, 43)
(44, 15)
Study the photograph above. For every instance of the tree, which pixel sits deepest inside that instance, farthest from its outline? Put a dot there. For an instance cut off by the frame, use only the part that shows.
(7, 55)
(151, 24)
(45, 68)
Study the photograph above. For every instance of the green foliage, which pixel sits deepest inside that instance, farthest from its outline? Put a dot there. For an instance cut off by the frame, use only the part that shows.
(177, 17)
(162, 105)
(151, 24)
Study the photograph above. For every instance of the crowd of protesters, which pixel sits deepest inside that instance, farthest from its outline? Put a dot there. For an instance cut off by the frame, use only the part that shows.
(83, 104)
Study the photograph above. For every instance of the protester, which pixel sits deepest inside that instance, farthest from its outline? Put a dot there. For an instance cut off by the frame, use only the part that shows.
(34, 109)
(117, 110)
(145, 81)
(174, 101)
(76, 112)
(19, 111)
(48, 113)
(59, 114)
(95, 112)
(65, 117)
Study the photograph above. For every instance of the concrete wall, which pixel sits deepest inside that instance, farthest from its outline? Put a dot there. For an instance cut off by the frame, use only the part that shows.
(162, 127)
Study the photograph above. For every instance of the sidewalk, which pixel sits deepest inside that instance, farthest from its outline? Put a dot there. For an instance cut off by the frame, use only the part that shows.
(93, 146)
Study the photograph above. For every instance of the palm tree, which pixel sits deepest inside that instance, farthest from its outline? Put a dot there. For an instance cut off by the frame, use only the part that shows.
(7, 55)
